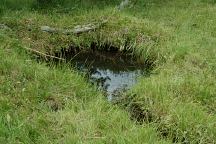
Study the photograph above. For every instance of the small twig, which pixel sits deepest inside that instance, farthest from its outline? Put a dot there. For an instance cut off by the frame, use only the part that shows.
(95, 137)
(43, 54)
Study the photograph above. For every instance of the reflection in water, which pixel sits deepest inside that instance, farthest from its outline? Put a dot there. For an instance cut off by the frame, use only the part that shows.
(113, 72)
(114, 82)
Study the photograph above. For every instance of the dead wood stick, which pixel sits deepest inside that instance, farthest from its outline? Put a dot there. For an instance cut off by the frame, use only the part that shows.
(43, 54)
(76, 30)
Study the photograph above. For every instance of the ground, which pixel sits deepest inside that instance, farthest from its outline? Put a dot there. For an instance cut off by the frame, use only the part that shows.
(43, 104)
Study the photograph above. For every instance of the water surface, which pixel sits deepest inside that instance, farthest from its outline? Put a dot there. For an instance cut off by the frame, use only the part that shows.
(112, 72)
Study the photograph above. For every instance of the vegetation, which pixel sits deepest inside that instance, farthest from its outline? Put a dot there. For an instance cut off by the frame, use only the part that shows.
(42, 104)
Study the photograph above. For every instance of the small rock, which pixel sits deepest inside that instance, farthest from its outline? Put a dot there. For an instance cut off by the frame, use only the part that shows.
(3, 26)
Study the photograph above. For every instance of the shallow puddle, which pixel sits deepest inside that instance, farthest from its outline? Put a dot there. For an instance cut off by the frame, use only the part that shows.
(112, 71)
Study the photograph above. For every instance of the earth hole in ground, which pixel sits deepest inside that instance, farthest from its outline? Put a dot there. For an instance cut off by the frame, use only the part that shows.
(112, 70)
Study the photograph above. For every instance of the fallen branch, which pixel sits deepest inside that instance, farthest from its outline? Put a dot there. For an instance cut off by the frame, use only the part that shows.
(43, 54)
(76, 30)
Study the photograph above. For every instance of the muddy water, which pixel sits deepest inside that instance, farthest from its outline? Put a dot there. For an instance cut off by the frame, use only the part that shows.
(112, 72)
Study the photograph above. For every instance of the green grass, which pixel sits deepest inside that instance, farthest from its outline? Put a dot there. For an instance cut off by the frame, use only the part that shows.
(31, 92)
(40, 104)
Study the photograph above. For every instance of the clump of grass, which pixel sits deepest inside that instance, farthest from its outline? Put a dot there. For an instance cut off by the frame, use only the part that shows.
(16, 4)
(46, 4)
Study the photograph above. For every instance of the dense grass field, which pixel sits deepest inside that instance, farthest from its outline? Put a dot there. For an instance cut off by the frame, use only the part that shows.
(42, 104)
